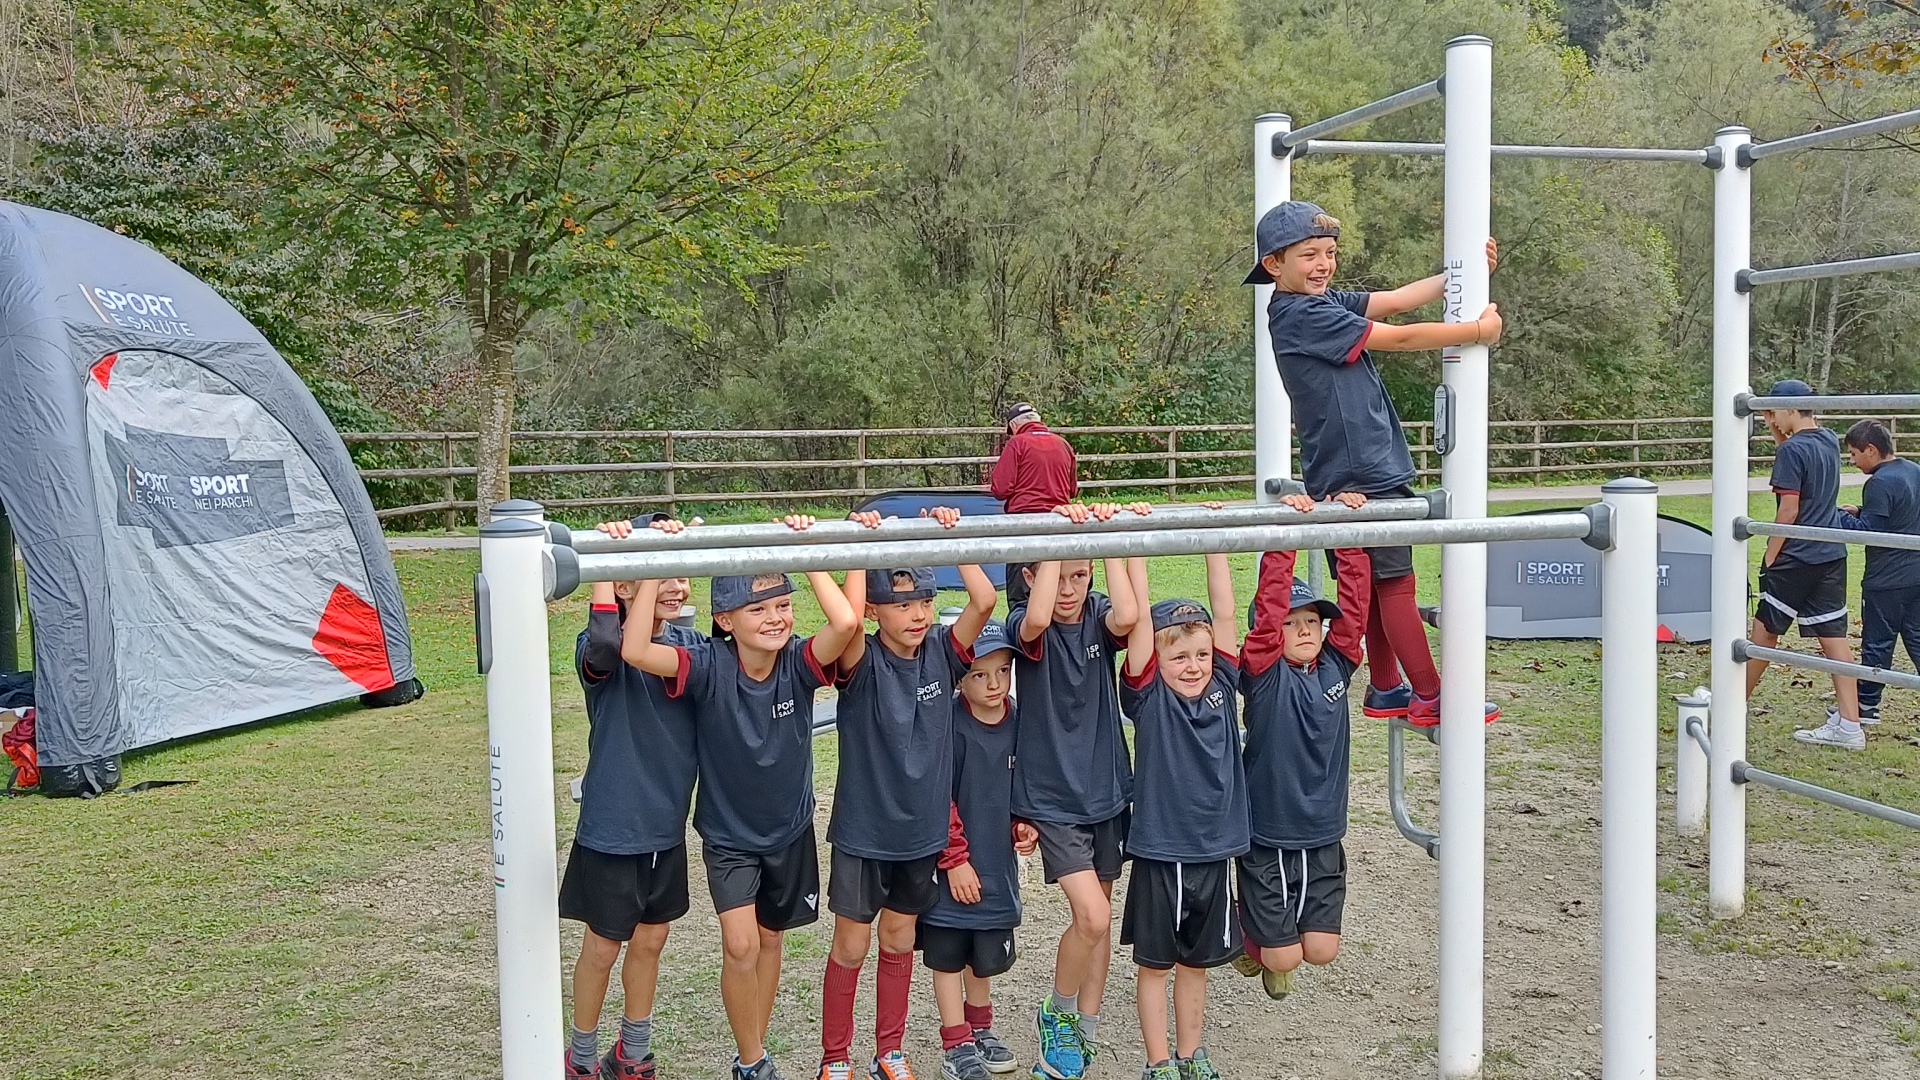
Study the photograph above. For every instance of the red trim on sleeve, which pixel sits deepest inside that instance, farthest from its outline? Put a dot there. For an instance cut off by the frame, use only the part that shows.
(1785, 491)
(1146, 676)
(963, 653)
(1221, 656)
(1361, 345)
(813, 665)
(614, 608)
(677, 685)
(956, 851)
(1032, 650)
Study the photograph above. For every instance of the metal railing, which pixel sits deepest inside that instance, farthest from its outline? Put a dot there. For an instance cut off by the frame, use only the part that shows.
(429, 475)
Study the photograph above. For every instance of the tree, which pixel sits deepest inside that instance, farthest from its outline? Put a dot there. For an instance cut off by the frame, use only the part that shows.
(604, 156)
(1876, 37)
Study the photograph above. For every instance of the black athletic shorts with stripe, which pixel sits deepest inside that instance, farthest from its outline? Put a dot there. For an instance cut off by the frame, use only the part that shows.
(1812, 596)
(860, 887)
(1180, 913)
(613, 894)
(783, 886)
(1284, 894)
(950, 949)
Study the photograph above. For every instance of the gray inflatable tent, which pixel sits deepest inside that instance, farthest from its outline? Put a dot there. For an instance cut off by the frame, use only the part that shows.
(199, 549)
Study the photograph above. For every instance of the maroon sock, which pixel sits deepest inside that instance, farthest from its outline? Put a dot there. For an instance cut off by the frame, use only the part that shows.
(836, 1011)
(980, 1017)
(957, 1035)
(891, 986)
(1383, 669)
(1400, 618)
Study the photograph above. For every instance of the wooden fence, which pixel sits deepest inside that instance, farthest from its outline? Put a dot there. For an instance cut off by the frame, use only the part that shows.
(428, 475)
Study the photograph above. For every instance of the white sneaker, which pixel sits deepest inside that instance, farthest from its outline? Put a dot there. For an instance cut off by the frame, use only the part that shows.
(1832, 735)
(1869, 714)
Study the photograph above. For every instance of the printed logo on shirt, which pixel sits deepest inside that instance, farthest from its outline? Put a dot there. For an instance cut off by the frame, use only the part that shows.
(1336, 691)
(933, 691)
(783, 709)
(1216, 699)
(1093, 651)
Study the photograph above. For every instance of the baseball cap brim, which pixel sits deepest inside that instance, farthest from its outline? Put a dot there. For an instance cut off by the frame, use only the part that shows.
(1328, 609)
(1257, 276)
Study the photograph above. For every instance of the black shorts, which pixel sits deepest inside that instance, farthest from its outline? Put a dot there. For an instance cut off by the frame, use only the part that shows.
(783, 887)
(861, 887)
(1180, 913)
(612, 894)
(947, 948)
(1284, 894)
(1812, 595)
(1099, 847)
(1388, 562)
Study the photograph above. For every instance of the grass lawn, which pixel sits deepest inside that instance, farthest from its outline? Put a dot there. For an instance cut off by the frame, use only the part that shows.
(310, 906)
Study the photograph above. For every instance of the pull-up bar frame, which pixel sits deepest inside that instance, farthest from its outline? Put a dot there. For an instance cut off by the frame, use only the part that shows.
(1393, 103)
(1748, 404)
(1877, 264)
(1703, 156)
(1745, 527)
(1753, 152)
(1744, 650)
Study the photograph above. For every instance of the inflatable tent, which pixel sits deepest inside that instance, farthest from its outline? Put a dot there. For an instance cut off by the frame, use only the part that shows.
(199, 549)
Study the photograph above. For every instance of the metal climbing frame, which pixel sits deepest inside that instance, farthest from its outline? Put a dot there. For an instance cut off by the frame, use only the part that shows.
(1734, 279)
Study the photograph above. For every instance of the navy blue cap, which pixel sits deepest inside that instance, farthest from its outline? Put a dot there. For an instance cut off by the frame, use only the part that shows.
(1018, 411)
(1790, 388)
(1284, 226)
(880, 589)
(735, 591)
(993, 638)
(1303, 597)
(1178, 612)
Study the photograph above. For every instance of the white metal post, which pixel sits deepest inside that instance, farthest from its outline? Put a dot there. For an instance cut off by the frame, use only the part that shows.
(1463, 567)
(1727, 801)
(1629, 770)
(513, 648)
(1272, 410)
(1690, 765)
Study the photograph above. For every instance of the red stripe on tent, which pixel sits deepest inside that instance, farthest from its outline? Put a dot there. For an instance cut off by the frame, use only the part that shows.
(103, 369)
(350, 637)
(1663, 633)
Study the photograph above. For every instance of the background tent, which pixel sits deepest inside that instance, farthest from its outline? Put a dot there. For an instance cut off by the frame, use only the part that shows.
(199, 549)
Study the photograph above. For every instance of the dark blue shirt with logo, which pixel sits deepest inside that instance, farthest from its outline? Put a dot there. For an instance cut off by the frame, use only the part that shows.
(1189, 785)
(1808, 464)
(1071, 768)
(895, 723)
(983, 796)
(641, 758)
(1350, 435)
(1890, 503)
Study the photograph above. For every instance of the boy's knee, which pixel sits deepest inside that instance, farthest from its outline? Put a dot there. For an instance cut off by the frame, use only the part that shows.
(850, 942)
(1283, 958)
(648, 938)
(740, 945)
(1320, 952)
(1093, 921)
(598, 953)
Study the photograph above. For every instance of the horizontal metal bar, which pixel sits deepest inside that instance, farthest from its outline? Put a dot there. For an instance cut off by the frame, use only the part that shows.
(1196, 540)
(1405, 99)
(1178, 516)
(1510, 150)
(1875, 126)
(1745, 280)
(1744, 650)
(1743, 527)
(1744, 773)
(1748, 404)
(1699, 733)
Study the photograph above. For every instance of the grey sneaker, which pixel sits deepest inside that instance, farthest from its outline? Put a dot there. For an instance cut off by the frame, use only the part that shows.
(1197, 1067)
(963, 1063)
(1869, 715)
(1166, 1070)
(762, 1070)
(994, 1053)
(1832, 735)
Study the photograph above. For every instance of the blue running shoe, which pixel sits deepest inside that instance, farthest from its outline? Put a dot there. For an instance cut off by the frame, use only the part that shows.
(1387, 704)
(1061, 1056)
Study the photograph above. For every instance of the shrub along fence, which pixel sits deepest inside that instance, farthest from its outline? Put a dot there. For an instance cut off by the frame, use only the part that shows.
(424, 478)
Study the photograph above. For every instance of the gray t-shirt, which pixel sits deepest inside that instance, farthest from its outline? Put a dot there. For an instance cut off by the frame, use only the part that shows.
(1808, 464)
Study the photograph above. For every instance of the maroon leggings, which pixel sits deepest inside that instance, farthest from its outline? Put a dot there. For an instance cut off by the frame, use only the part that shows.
(1397, 639)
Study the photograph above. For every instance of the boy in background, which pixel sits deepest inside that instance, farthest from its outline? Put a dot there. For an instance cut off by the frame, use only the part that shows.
(892, 800)
(1072, 780)
(752, 687)
(1189, 813)
(966, 938)
(1350, 435)
(1890, 588)
(1804, 582)
(626, 875)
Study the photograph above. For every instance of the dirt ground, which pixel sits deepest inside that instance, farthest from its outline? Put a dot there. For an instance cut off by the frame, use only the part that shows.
(1817, 981)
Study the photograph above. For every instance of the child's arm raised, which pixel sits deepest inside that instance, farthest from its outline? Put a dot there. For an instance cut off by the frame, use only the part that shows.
(1039, 612)
(637, 646)
(1354, 593)
(1226, 618)
(1140, 635)
(855, 594)
(981, 597)
(843, 623)
(1126, 598)
(1420, 293)
(601, 657)
(1266, 638)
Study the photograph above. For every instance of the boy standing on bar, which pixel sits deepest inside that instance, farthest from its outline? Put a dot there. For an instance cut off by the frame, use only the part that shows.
(1350, 435)
(1890, 589)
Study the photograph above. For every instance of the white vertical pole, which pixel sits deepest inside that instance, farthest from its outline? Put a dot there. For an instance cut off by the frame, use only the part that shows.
(1690, 766)
(1272, 411)
(520, 782)
(1727, 801)
(1463, 567)
(1629, 768)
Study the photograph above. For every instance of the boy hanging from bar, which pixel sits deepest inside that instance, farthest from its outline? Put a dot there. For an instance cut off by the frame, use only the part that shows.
(1072, 780)
(752, 688)
(1804, 582)
(626, 875)
(1189, 821)
(1350, 435)
(892, 802)
(1890, 588)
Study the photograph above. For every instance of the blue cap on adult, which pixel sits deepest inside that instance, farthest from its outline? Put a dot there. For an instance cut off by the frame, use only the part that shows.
(1284, 226)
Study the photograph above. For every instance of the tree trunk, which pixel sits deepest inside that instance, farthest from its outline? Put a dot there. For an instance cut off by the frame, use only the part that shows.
(495, 361)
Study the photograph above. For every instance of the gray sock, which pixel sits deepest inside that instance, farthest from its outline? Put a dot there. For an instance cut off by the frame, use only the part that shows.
(1089, 1023)
(1064, 1002)
(635, 1035)
(584, 1050)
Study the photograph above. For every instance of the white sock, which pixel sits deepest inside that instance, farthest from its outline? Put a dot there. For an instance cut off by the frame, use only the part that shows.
(1849, 726)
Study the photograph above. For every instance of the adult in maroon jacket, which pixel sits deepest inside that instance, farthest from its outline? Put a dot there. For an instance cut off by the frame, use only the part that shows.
(1035, 472)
